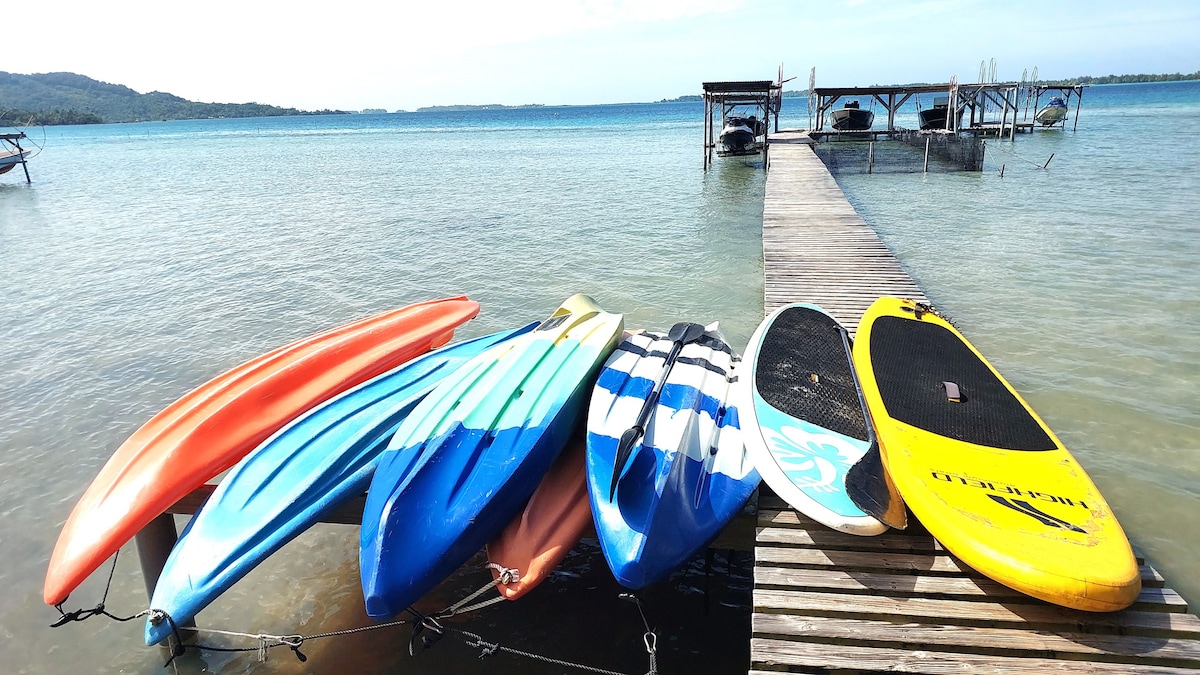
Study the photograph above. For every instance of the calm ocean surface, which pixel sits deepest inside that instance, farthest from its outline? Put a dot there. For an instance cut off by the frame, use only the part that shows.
(147, 258)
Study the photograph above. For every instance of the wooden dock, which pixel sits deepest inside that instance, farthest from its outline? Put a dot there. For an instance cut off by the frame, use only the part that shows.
(831, 602)
(816, 248)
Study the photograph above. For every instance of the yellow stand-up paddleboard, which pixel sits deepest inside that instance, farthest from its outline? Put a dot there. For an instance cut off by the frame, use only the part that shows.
(981, 471)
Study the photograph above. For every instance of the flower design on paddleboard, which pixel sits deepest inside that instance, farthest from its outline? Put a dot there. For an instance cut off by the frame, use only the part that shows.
(813, 461)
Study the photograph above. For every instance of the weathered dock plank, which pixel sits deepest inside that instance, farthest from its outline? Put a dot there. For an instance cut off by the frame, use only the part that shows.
(1173, 652)
(783, 654)
(899, 602)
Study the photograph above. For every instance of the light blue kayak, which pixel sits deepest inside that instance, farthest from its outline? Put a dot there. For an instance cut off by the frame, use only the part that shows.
(686, 476)
(470, 455)
(282, 487)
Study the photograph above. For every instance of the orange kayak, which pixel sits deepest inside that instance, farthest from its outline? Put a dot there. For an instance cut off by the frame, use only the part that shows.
(553, 521)
(208, 430)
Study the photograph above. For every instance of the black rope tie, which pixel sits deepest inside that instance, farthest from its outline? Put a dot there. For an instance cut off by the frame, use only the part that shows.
(649, 637)
(177, 647)
(422, 624)
(83, 614)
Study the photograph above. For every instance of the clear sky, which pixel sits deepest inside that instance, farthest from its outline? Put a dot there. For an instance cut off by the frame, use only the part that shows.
(401, 54)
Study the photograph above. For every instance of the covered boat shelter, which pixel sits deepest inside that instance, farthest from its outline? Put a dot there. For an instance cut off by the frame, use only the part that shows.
(975, 98)
(763, 95)
(1067, 91)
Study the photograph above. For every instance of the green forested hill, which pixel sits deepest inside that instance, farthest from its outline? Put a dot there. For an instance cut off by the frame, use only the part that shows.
(67, 98)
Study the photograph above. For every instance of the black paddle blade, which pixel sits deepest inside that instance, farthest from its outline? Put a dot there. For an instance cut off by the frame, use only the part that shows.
(683, 333)
(624, 450)
(870, 488)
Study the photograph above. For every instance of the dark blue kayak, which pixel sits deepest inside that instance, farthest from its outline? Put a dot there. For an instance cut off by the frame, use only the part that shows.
(471, 454)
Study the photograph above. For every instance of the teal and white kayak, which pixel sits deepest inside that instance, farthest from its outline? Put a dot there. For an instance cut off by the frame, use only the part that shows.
(283, 486)
(466, 460)
(802, 415)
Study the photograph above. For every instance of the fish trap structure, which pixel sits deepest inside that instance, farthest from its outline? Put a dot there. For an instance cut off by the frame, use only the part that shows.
(903, 151)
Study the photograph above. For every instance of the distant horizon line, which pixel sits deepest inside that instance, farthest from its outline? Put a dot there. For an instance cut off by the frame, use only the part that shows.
(1083, 80)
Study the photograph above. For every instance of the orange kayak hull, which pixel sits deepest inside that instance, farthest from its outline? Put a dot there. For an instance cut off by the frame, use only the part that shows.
(212, 427)
(555, 519)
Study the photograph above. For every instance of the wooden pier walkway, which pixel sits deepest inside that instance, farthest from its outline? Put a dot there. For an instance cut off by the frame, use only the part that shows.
(831, 602)
(816, 248)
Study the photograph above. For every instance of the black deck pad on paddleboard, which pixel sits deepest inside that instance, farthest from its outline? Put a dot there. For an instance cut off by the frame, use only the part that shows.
(912, 360)
(799, 344)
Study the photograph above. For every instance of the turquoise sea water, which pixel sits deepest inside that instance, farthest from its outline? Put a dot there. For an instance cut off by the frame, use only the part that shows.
(146, 258)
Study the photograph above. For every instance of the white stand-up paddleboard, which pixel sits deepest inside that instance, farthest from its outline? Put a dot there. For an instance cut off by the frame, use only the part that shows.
(802, 417)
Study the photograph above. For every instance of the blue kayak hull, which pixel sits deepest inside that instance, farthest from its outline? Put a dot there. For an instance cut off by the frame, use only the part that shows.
(688, 476)
(284, 486)
(468, 458)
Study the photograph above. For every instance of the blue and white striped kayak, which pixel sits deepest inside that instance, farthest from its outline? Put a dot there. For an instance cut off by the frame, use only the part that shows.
(688, 475)
(471, 454)
(284, 485)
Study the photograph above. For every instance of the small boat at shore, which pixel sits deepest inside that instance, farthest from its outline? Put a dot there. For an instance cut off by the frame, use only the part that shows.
(852, 118)
(1053, 112)
(11, 152)
(738, 136)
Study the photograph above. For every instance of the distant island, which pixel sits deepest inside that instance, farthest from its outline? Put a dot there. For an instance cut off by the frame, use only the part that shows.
(1123, 79)
(68, 98)
(486, 106)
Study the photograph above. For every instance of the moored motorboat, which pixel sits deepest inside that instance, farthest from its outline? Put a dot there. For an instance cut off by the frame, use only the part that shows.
(11, 158)
(936, 117)
(739, 134)
(1053, 112)
(852, 118)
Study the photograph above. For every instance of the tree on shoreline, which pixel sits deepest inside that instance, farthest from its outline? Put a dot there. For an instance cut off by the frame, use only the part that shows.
(1123, 79)
(22, 118)
(68, 98)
